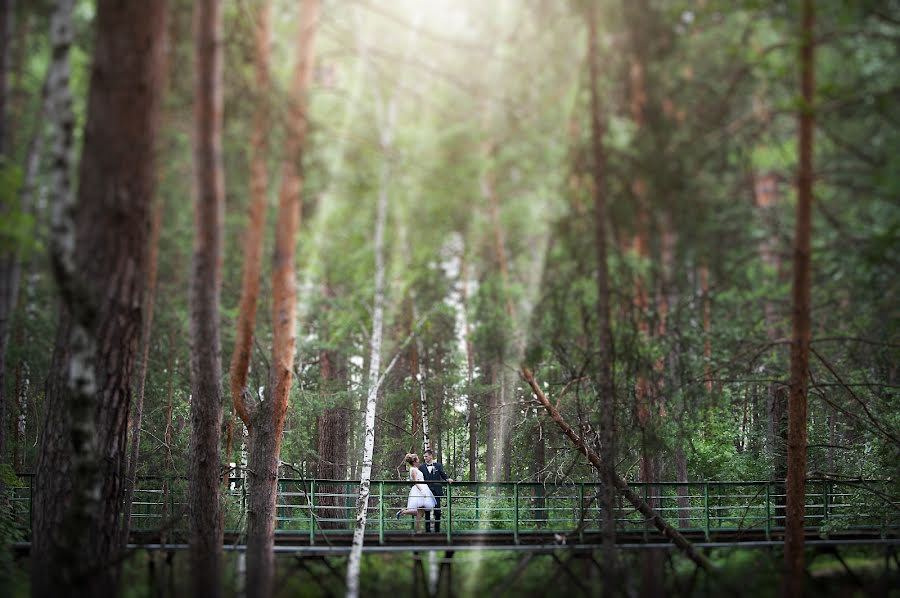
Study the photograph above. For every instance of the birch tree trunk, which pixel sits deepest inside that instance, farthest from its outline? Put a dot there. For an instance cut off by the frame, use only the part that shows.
(266, 418)
(205, 501)
(362, 500)
(605, 341)
(99, 261)
(797, 409)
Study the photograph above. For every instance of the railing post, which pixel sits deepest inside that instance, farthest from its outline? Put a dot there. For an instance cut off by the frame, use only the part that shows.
(647, 524)
(581, 519)
(449, 514)
(381, 512)
(516, 513)
(312, 512)
(477, 507)
(348, 514)
(768, 512)
(826, 500)
(706, 508)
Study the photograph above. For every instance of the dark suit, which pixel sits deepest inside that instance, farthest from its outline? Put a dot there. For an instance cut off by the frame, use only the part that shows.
(434, 479)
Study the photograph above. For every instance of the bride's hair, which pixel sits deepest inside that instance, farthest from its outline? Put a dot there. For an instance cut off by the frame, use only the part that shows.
(411, 458)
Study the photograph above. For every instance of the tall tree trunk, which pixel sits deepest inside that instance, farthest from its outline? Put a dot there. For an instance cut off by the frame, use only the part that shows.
(362, 501)
(256, 218)
(205, 499)
(9, 262)
(147, 327)
(797, 410)
(765, 193)
(99, 260)
(266, 418)
(605, 340)
(499, 414)
(333, 426)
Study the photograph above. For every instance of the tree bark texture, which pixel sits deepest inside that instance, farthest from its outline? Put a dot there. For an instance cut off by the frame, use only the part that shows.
(619, 485)
(99, 260)
(800, 338)
(150, 301)
(256, 217)
(605, 340)
(9, 262)
(267, 417)
(362, 501)
(205, 502)
(333, 426)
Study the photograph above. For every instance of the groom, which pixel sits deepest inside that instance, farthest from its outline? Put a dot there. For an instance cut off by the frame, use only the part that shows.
(434, 472)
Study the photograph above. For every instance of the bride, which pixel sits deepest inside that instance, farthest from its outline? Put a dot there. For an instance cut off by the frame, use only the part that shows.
(420, 497)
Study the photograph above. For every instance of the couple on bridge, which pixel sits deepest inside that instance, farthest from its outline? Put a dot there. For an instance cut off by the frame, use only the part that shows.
(425, 498)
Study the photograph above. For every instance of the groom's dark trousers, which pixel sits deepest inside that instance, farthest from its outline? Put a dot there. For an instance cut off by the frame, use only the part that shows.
(434, 479)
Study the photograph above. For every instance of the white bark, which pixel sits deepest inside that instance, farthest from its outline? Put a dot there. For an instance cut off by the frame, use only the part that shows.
(81, 374)
(426, 443)
(362, 501)
(387, 120)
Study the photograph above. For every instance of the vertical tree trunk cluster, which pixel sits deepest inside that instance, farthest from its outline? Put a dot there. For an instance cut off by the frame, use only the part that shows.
(256, 218)
(800, 338)
(205, 468)
(99, 260)
(265, 418)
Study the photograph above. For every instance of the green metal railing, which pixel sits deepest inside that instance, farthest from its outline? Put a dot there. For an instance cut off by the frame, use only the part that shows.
(325, 507)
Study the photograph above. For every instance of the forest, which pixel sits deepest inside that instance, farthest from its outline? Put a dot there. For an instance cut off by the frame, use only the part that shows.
(449, 298)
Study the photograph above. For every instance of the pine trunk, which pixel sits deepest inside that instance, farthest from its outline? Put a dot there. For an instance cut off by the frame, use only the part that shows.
(256, 217)
(99, 260)
(9, 260)
(131, 476)
(268, 417)
(205, 501)
(605, 341)
(797, 408)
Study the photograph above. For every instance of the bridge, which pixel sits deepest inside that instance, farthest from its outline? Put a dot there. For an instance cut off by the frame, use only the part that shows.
(317, 516)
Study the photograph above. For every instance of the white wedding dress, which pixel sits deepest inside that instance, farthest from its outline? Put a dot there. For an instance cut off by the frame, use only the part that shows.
(420, 495)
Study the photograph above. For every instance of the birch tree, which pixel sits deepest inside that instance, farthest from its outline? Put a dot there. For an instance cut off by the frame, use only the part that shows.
(362, 500)
(387, 119)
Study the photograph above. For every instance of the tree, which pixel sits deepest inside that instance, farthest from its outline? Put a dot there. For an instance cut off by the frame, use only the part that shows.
(99, 261)
(265, 419)
(604, 338)
(801, 333)
(205, 503)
